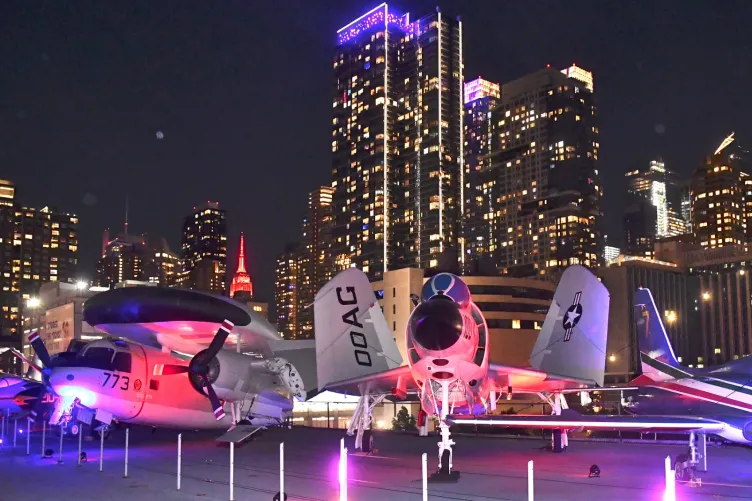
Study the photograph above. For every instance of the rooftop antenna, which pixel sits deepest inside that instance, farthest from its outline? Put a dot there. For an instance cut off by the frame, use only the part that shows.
(126, 213)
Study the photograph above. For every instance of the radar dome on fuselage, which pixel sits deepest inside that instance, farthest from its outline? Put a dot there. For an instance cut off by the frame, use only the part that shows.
(448, 285)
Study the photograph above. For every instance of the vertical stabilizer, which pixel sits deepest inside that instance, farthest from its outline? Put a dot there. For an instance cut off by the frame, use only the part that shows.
(352, 336)
(572, 342)
(656, 354)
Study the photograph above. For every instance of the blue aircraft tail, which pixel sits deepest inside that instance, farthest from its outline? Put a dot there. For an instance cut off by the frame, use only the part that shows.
(656, 354)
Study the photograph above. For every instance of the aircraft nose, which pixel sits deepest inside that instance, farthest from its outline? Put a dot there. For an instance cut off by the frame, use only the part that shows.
(436, 324)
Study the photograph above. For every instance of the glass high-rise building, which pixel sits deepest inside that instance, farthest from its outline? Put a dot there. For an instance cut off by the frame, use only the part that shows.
(481, 96)
(286, 301)
(204, 248)
(542, 187)
(315, 266)
(397, 141)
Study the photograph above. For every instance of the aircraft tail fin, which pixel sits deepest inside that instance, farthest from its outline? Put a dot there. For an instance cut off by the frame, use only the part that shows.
(352, 336)
(656, 353)
(572, 342)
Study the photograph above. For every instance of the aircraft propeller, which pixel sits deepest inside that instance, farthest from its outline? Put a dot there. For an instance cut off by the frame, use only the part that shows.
(203, 368)
(44, 356)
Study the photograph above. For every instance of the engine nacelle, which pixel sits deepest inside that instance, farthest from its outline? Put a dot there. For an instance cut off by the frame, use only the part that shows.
(747, 431)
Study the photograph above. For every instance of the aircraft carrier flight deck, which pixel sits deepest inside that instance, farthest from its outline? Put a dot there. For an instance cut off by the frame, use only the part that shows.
(491, 468)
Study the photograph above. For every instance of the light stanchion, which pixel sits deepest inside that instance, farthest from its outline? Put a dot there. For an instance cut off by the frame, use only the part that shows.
(670, 494)
(15, 433)
(44, 436)
(342, 471)
(424, 468)
(530, 486)
(232, 471)
(28, 436)
(80, 443)
(127, 433)
(60, 452)
(101, 448)
(180, 457)
(282, 471)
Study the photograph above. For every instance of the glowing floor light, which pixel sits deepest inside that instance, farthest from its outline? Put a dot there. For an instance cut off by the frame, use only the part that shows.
(670, 494)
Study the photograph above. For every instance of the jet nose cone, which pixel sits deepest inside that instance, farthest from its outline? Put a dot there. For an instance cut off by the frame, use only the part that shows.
(436, 324)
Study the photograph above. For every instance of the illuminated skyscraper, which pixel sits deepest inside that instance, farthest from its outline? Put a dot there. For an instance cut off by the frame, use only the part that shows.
(286, 299)
(481, 96)
(396, 140)
(204, 248)
(241, 286)
(717, 195)
(543, 188)
(663, 189)
(315, 266)
(126, 257)
(167, 262)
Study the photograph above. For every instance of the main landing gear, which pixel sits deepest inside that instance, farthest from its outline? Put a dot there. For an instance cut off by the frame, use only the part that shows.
(686, 465)
(445, 472)
(360, 424)
(559, 438)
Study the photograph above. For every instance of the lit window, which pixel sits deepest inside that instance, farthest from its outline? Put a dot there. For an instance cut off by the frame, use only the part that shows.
(515, 324)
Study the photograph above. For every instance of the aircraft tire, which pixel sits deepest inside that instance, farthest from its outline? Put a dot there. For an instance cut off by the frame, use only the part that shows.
(681, 471)
(96, 433)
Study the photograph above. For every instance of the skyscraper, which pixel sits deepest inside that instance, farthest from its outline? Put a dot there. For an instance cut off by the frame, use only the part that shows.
(717, 197)
(126, 257)
(481, 96)
(396, 140)
(315, 266)
(286, 300)
(167, 262)
(662, 188)
(242, 285)
(543, 188)
(204, 248)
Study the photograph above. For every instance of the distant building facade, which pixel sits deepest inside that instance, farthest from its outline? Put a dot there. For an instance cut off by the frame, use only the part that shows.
(204, 249)
(286, 301)
(543, 186)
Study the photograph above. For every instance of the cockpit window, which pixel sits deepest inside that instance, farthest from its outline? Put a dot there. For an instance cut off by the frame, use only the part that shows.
(122, 362)
(97, 357)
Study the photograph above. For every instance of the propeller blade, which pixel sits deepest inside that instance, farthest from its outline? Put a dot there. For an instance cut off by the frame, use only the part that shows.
(169, 369)
(25, 360)
(219, 413)
(219, 339)
(39, 348)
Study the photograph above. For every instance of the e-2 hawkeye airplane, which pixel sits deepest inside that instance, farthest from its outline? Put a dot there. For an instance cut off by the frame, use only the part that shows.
(171, 368)
(447, 346)
(666, 397)
(19, 395)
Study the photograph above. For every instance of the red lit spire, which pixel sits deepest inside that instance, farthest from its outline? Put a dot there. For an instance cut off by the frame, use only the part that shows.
(241, 280)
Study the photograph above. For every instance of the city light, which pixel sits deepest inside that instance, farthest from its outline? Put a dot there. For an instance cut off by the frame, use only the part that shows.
(706, 296)
(33, 302)
(82, 285)
(670, 316)
(612, 358)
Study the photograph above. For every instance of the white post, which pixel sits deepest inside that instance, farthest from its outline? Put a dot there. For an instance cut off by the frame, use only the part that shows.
(343, 470)
(530, 488)
(180, 456)
(127, 433)
(28, 435)
(44, 434)
(232, 471)
(60, 453)
(282, 471)
(670, 482)
(15, 433)
(425, 476)
(80, 445)
(101, 448)
(2, 438)
(704, 451)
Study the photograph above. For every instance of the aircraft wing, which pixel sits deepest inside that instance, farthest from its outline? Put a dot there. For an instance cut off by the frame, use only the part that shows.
(377, 384)
(572, 420)
(525, 380)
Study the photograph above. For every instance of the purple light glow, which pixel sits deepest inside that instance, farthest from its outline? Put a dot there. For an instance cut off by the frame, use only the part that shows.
(374, 17)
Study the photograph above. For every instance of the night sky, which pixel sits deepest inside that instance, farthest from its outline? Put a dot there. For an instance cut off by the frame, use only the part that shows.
(241, 92)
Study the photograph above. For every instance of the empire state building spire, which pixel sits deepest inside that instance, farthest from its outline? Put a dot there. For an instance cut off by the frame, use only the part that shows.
(241, 280)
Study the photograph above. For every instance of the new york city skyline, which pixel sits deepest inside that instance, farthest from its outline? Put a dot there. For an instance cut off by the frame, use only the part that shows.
(242, 101)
